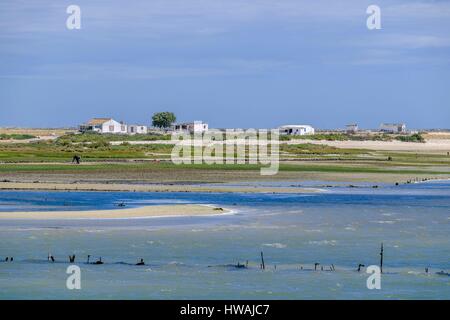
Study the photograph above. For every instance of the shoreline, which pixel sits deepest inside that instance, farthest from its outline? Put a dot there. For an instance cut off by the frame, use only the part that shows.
(145, 212)
(47, 186)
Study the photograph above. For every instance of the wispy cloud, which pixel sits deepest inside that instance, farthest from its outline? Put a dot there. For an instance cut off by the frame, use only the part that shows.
(409, 41)
(384, 57)
(224, 67)
(169, 16)
(424, 9)
(26, 27)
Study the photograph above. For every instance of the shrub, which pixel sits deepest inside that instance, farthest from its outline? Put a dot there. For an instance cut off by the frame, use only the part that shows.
(15, 136)
(416, 137)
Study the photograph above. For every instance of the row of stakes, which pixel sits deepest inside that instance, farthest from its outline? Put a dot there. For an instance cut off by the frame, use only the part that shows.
(141, 262)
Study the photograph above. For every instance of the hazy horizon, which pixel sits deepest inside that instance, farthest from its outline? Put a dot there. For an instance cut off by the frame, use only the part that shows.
(233, 63)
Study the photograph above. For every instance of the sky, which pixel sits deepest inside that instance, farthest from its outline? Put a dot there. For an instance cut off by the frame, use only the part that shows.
(231, 63)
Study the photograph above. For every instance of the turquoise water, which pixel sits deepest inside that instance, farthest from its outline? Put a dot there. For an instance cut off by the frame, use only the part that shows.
(193, 257)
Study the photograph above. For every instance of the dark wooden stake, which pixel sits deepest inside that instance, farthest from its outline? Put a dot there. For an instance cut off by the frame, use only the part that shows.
(263, 266)
(381, 258)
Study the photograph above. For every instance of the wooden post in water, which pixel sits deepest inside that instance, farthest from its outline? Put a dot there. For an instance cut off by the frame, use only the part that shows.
(263, 266)
(381, 258)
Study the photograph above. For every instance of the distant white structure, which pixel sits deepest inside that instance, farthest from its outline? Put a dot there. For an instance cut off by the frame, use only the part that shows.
(296, 130)
(191, 127)
(137, 129)
(393, 127)
(103, 125)
(351, 128)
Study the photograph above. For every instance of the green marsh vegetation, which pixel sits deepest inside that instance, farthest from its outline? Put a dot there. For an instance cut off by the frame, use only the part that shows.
(48, 151)
(16, 136)
(96, 149)
(416, 137)
(105, 138)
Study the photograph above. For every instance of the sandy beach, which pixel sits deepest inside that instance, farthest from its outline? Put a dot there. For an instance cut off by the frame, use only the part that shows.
(436, 143)
(431, 145)
(133, 213)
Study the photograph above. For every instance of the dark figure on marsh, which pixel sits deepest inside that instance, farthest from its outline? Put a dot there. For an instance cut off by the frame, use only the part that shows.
(7, 259)
(72, 259)
(52, 258)
(141, 263)
(76, 159)
(99, 261)
(316, 265)
(359, 267)
(11, 259)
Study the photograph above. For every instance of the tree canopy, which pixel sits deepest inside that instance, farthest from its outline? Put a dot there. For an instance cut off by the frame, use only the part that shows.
(163, 119)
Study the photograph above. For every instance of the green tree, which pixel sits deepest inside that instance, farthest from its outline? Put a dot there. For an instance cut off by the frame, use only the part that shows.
(163, 119)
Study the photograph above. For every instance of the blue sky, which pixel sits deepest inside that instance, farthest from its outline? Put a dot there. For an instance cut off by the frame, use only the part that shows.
(232, 63)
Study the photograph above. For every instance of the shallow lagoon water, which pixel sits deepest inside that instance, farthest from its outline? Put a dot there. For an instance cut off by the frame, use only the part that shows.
(187, 257)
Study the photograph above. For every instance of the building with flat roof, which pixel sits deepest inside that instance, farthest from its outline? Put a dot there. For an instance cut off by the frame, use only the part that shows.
(137, 129)
(191, 127)
(296, 129)
(393, 127)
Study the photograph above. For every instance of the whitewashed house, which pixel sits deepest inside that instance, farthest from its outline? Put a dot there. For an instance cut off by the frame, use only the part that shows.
(137, 129)
(296, 130)
(393, 127)
(191, 127)
(103, 125)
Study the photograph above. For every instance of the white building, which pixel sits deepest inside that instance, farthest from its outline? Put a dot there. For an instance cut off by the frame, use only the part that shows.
(137, 129)
(103, 125)
(351, 128)
(191, 127)
(296, 130)
(393, 127)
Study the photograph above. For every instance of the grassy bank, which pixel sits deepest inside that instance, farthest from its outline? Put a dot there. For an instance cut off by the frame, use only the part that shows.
(104, 138)
(416, 137)
(106, 167)
(15, 136)
(56, 151)
(51, 161)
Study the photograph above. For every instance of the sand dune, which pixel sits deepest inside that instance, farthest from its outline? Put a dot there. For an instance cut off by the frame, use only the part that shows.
(431, 145)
